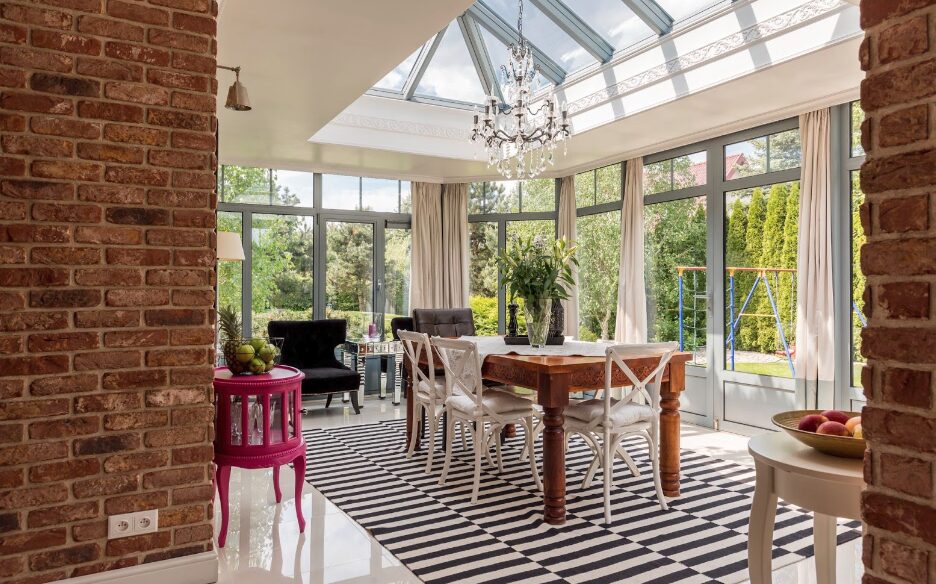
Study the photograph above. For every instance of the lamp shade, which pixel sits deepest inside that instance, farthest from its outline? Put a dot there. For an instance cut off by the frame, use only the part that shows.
(237, 99)
(229, 246)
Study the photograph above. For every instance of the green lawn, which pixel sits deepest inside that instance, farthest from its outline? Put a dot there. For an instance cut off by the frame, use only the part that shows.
(775, 369)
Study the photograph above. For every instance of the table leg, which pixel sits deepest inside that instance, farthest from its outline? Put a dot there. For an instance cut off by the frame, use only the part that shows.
(824, 540)
(223, 480)
(554, 479)
(761, 526)
(669, 430)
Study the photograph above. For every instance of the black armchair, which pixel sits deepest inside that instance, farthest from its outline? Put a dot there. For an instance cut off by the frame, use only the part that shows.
(447, 322)
(309, 345)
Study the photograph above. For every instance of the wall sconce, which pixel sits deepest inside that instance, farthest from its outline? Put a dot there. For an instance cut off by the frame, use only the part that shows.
(237, 99)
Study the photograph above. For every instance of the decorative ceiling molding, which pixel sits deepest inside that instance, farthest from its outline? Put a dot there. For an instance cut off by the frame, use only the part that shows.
(799, 16)
(401, 127)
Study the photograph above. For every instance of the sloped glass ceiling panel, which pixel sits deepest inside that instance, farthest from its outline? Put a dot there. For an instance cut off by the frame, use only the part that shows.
(451, 73)
(395, 79)
(681, 9)
(613, 20)
(545, 34)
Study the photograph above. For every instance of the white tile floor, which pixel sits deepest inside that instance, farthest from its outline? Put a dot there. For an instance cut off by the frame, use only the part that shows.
(264, 544)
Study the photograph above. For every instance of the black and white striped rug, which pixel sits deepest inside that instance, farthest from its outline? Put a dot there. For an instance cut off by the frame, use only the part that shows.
(436, 532)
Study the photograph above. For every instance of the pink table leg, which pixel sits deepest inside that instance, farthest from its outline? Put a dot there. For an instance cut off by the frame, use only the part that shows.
(224, 476)
(299, 467)
(276, 485)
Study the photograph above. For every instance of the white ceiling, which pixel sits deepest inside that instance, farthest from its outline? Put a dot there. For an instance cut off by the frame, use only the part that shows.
(306, 76)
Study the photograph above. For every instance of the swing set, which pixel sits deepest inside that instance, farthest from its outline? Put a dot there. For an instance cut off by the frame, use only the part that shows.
(762, 276)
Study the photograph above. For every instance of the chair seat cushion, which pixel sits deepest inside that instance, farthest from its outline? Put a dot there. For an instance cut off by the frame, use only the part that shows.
(329, 380)
(593, 409)
(498, 402)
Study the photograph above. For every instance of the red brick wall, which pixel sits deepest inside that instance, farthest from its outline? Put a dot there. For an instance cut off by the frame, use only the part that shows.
(106, 280)
(899, 259)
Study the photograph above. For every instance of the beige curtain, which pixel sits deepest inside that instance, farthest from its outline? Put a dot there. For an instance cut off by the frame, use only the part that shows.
(631, 324)
(815, 350)
(567, 230)
(426, 270)
(455, 245)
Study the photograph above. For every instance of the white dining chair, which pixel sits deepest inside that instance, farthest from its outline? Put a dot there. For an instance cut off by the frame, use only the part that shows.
(604, 421)
(428, 392)
(482, 411)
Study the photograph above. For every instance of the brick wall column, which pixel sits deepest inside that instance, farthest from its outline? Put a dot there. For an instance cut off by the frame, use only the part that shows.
(899, 260)
(107, 178)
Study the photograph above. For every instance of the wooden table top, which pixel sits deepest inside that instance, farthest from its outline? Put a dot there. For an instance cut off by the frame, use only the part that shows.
(567, 363)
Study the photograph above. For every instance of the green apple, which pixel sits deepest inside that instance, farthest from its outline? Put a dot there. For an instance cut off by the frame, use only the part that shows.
(258, 344)
(267, 353)
(245, 353)
(270, 366)
(257, 365)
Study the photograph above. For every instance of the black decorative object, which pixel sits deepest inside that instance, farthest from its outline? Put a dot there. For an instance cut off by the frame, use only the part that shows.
(512, 320)
(556, 319)
(525, 340)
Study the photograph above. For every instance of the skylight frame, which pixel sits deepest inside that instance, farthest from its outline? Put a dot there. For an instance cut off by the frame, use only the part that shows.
(481, 15)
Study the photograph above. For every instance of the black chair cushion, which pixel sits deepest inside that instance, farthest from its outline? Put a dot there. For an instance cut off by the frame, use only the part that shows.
(322, 380)
(449, 322)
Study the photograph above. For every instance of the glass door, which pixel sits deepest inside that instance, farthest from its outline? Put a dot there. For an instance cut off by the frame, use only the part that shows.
(351, 283)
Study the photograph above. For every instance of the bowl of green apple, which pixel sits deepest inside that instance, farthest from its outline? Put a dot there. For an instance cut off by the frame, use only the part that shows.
(252, 356)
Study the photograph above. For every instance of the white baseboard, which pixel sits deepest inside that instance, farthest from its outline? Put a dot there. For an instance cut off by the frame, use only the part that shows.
(194, 569)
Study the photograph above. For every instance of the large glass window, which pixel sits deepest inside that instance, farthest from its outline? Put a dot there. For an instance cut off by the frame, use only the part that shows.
(532, 196)
(341, 192)
(354, 193)
(398, 244)
(293, 188)
(230, 273)
(764, 154)
(281, 269)
(760, 278)
(675, 173)
(482, 276)
(241, 184)
(598, 241)
(349, 274)
(857, 280)
(603, 185)
(856, 117)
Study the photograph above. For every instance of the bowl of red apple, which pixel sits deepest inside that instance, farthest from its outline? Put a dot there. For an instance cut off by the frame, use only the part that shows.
(834, 432)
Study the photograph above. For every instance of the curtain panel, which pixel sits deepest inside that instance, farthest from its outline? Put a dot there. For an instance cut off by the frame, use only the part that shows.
(815, 338)
(454, 245)
(567, 230)
(426, 288)
(631, 322)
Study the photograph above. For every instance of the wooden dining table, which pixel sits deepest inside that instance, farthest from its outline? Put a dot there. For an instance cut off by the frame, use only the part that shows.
(554, 378)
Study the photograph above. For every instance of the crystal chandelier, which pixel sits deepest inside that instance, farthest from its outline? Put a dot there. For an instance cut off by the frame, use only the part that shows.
(519, 140)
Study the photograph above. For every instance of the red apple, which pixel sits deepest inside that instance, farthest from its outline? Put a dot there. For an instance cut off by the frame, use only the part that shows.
(836, 416)
(833, 429)
(811, 422)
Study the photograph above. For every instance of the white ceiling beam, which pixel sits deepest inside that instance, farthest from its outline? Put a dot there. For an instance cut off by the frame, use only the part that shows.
(576, 28)
(480, 57)
(507, 34)
(652, 14)
(422, 62)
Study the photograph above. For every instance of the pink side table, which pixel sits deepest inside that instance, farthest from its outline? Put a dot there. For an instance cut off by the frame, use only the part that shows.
(258, 424)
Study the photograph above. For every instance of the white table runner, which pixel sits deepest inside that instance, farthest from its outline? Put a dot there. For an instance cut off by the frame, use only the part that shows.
(497, 346)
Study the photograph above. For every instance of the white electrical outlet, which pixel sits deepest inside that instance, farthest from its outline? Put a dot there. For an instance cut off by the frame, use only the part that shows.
(146, 521)
(127, 524)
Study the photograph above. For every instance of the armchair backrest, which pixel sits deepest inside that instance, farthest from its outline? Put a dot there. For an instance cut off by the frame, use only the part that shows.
(447, 322)
(309, 343)
(398, 323)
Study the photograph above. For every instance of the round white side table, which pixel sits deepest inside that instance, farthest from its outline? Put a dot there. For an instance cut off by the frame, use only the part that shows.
(827, 485)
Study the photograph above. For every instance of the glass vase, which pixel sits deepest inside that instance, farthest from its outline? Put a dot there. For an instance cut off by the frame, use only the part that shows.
(538, 312)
